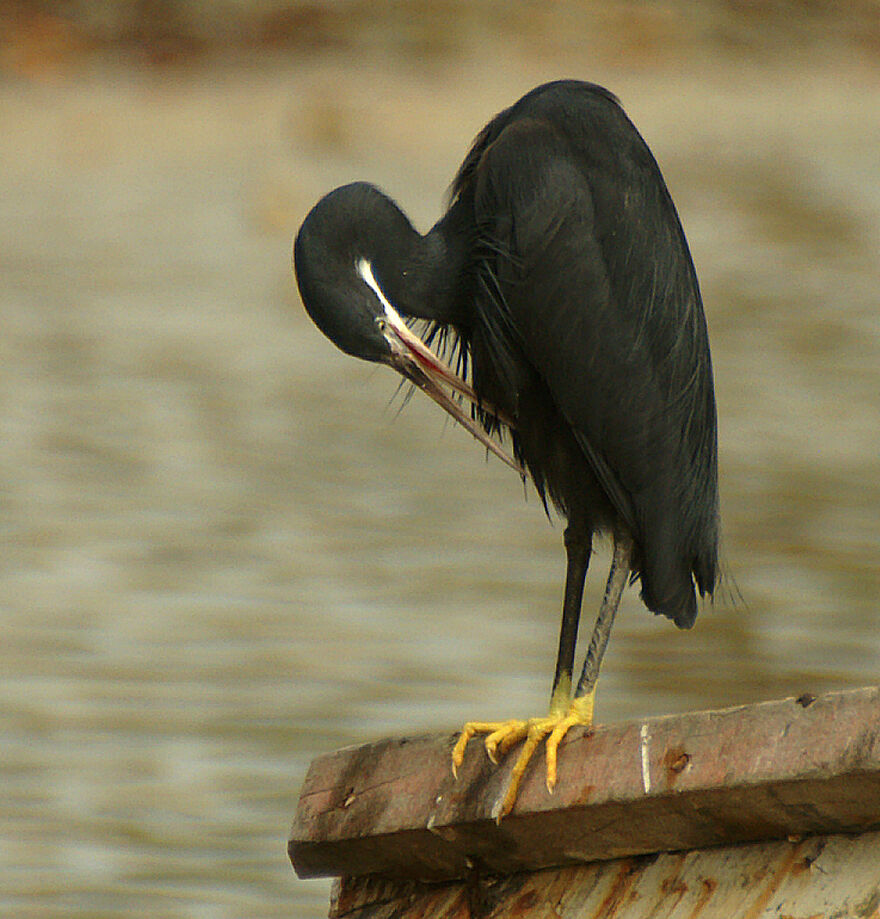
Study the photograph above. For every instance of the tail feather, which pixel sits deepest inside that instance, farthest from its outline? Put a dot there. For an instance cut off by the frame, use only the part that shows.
(669, 591)
(668, 572)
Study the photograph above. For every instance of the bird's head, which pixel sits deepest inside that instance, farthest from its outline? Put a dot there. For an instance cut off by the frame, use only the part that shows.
(344, 239)
(332, 261)
(335, 259)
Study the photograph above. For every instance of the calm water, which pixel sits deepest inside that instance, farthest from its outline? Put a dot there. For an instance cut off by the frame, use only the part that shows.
(227, 550)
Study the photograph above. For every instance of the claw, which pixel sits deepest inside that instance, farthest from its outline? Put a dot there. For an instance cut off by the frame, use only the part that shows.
(502, 735)
(467, 732)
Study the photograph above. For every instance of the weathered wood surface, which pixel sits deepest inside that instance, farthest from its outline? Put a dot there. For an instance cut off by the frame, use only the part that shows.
(776, 770)
(825, 877)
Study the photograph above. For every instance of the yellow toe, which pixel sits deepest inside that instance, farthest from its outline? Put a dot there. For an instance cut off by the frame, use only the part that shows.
(502, 735)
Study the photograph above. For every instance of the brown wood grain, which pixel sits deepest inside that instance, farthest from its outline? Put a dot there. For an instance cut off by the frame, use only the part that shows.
(775, 770)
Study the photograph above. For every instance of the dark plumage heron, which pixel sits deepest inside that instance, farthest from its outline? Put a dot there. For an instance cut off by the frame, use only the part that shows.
(561, 278)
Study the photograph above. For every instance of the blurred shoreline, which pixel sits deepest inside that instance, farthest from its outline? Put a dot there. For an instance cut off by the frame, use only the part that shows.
(44, 39)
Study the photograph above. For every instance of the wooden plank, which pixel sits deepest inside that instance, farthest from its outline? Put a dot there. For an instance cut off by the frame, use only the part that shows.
(818, 877)
(767, 771)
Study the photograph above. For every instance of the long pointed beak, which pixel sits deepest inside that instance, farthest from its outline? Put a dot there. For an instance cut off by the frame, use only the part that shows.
(430, 379)
(412, 358)
(433, 364)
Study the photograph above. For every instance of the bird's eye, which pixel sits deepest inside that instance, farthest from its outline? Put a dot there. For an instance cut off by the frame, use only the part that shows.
(381, 323)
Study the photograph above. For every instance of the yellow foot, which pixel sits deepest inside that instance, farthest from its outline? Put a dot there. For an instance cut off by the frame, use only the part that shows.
(502, 735)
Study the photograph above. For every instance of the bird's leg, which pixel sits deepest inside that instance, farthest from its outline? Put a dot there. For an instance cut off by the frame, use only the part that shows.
(580, 710)
(505, 734)
(621, 565)
(578, 547)
(566, 713)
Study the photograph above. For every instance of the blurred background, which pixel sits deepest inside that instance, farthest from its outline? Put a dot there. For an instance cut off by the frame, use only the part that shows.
(228, 548)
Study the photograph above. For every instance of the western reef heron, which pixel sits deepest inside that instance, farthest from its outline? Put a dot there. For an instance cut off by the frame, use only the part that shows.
(562, 282)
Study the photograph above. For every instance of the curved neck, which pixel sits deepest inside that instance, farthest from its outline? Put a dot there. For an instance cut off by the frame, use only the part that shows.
(429, 277)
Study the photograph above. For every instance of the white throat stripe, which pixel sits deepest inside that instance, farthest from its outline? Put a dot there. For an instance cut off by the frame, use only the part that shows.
(365, 271)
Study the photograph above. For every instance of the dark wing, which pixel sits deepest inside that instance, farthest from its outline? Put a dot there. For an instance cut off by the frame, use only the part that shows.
(590, 271)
